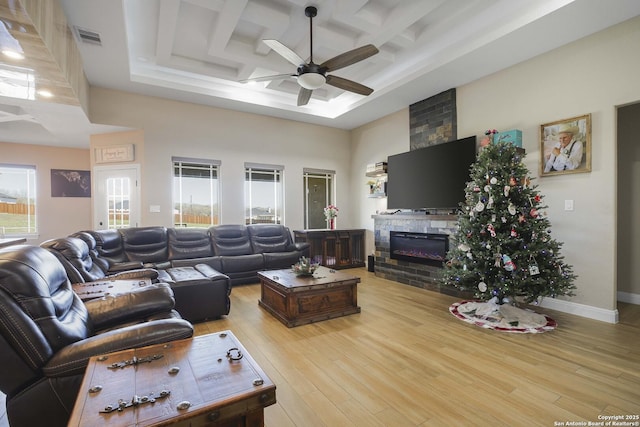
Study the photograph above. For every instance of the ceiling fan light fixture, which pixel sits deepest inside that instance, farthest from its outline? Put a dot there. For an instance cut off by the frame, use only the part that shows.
(311, 81)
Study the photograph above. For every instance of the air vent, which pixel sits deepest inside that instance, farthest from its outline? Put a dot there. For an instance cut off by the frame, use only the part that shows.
(88, 36)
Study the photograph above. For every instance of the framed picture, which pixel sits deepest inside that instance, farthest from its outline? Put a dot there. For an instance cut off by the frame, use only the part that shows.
(565, 146)
(70, 183)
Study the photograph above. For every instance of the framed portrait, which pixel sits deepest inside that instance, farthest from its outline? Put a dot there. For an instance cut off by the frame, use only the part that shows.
(70, 183)
(565, 146)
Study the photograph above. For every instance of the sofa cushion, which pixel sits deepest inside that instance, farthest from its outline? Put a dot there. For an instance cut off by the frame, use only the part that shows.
(145, 244)
(230, 240)
(74, 255)
(189, 243)
(109, 245)
(270, 238)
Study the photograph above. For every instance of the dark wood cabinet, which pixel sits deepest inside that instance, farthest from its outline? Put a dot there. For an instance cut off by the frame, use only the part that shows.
(334, 248)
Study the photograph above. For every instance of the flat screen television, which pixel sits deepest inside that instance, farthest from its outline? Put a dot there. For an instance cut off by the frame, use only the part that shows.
(430, 178)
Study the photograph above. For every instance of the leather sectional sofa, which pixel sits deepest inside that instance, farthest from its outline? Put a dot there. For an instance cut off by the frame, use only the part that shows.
(200, 264)
(47, 334)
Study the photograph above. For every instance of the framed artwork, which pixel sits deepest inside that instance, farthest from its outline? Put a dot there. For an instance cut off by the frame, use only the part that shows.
(565, 146)
(70, 183)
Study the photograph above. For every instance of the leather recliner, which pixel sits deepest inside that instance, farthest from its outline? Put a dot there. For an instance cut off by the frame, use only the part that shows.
(47, 334)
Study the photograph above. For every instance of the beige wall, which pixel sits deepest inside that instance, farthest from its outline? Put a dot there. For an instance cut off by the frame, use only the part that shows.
(56, 216)
(373, 143)
(173, 128)
(592, 75)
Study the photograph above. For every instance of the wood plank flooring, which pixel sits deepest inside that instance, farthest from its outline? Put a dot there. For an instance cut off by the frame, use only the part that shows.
(406, 361)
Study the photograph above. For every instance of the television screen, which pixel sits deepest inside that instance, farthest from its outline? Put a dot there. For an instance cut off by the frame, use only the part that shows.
(433, 177)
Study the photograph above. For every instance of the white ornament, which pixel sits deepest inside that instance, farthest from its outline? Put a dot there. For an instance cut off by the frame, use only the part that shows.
(493, 180)
(512, 209)
(463, 247)
(480, 207)
(506, 190)
(482, 287)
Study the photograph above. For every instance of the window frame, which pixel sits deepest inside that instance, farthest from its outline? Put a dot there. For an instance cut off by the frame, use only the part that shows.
(215, 183)
(278, 174)
(31, 176)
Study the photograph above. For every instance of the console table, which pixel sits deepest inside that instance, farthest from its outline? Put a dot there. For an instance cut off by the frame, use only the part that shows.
(334, 248)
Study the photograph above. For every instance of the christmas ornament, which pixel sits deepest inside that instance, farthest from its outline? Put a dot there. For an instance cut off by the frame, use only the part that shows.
(479, 206)
(463, 247)
(482, 287)
(492, 230)
(533, 212)
(512, 182)
(497, 258)
(487, 188)
(506, 190)
(493, 180)
(533, 267)
(508, 264)
(514, 233)
(512, 209)
(490, 203)
(521, 218)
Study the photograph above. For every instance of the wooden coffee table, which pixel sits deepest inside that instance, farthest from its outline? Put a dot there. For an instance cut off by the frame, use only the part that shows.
(210, 380)
(298, 300)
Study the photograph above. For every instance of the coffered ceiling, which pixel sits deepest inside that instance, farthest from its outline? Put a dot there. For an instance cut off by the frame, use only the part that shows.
(199, 50)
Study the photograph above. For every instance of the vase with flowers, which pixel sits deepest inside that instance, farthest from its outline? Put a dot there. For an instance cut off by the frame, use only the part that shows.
(330, 213)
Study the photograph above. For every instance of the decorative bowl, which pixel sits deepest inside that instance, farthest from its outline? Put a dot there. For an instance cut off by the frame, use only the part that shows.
(304, 267)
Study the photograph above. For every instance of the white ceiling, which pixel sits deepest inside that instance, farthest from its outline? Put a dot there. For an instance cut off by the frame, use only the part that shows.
(197, 51)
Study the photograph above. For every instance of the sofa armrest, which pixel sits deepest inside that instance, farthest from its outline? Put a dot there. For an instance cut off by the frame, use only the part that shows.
(140, 273)
(302, 246)
(137, 304)
(73, 359)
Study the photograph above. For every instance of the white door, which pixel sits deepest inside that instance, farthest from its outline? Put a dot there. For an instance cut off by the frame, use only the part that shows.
(117, 197)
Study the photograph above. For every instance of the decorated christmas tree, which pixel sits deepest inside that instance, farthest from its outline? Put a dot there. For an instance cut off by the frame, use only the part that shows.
(503, 247)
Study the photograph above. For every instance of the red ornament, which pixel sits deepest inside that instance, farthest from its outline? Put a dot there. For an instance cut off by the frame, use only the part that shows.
(533, 212)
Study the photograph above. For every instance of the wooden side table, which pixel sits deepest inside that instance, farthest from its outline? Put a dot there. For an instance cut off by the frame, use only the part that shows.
(210, 380)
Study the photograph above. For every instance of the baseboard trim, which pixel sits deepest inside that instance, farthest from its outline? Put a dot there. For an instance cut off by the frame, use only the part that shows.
(609, 316)
(628, 297)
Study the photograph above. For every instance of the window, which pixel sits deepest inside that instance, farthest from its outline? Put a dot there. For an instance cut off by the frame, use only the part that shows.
(263, 194)
(318, 190)
(196, 190)
(17, 200)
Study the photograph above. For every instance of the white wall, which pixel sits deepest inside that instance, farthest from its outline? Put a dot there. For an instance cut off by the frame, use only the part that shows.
(373, 143)
(173, 128)
(592, 75)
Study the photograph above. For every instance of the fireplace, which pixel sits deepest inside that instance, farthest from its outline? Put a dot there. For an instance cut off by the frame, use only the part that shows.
(421, 248)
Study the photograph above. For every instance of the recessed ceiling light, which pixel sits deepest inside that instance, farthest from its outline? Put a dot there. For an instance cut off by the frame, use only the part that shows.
(45, 93)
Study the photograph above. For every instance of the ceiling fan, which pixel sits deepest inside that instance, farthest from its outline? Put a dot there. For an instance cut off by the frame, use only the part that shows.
(310, 75)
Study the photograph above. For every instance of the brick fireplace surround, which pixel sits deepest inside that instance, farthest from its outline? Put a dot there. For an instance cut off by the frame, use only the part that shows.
(410, 273)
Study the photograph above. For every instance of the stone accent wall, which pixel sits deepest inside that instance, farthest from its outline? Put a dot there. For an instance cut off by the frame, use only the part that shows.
(433, 120)
(410, 273)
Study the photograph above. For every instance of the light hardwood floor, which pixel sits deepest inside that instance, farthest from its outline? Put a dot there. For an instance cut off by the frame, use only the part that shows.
(406, 361)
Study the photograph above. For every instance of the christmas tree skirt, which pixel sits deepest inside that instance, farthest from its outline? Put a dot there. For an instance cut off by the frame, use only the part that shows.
(504, 318)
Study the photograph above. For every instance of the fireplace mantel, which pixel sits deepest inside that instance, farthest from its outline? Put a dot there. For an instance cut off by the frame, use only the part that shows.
(410, 273)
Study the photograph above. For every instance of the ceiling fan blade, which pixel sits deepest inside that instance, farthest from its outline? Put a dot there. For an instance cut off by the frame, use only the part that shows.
(303, 96)
(267, 78)
(349, 85)
(284, 51)
(350, 57)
